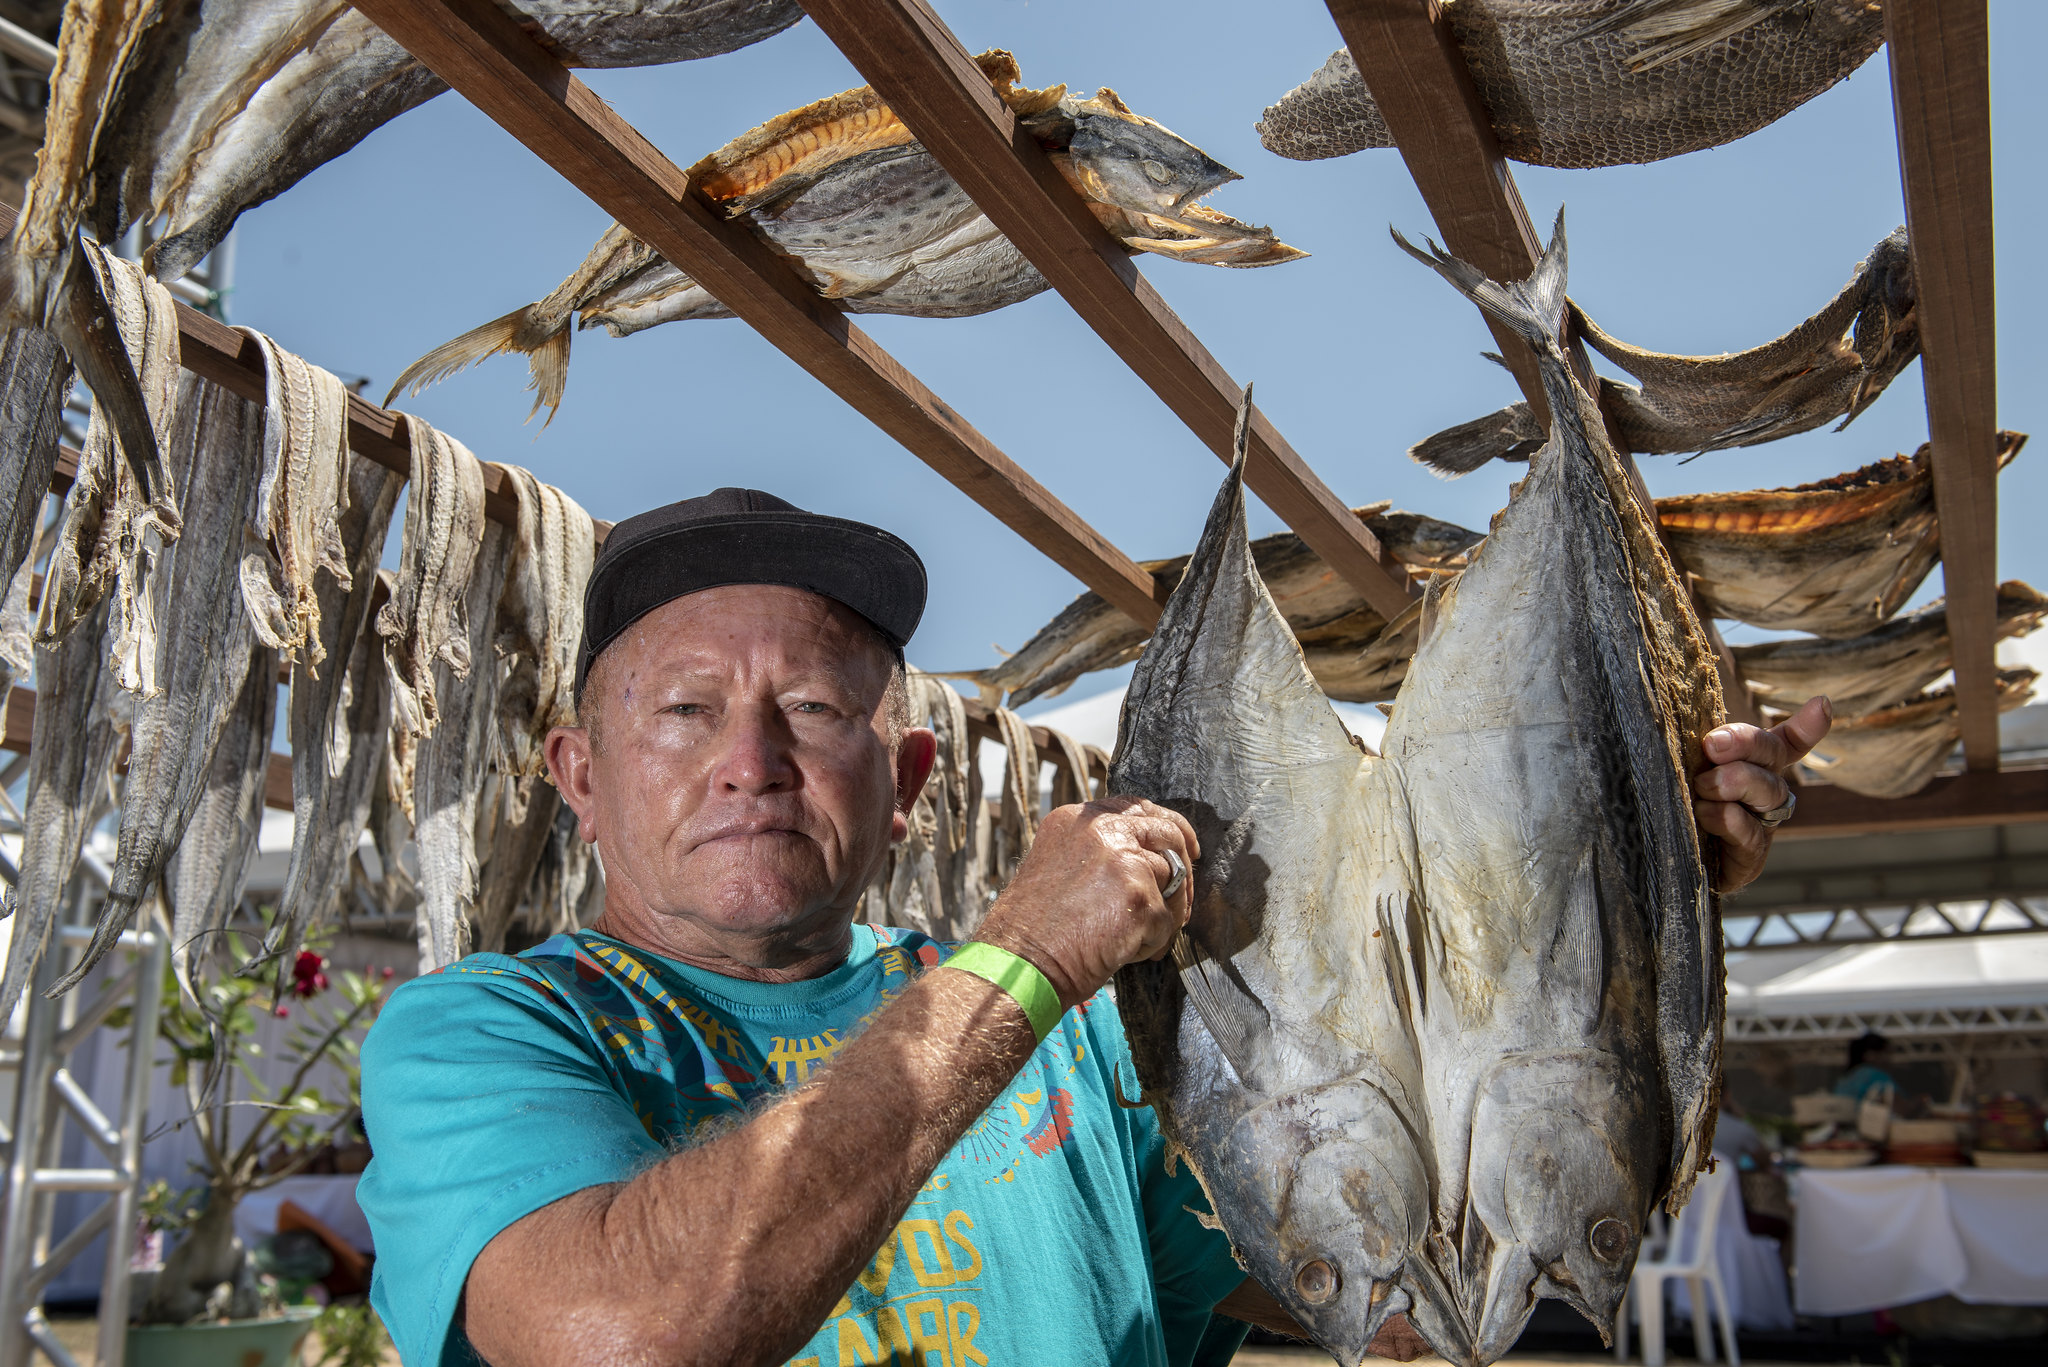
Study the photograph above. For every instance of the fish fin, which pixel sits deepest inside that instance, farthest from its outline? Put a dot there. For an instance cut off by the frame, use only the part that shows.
(548, 366)
(1512, 433)
(516, 331)
(1532, 309)
(1230, 1012)
(1673, 30)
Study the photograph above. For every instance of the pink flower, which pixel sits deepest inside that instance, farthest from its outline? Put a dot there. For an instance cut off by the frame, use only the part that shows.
(283, 1010)
(387, 971)
(306, 975)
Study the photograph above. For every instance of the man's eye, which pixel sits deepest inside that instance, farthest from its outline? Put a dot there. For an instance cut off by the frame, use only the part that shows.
(812, 707)
(687, 709)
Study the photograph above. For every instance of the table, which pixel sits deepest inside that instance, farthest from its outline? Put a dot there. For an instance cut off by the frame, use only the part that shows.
(1882, 1236)
(330, 1200)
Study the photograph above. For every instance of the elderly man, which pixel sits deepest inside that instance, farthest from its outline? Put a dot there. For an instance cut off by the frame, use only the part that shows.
(729, 1125)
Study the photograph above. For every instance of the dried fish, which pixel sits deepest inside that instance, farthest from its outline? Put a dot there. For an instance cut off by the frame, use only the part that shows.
(425, 623)
(872, 220)
(81, 714)
(207, 873)
(35, 382)
(202, 649)
(1896, 751)
(1333, 624)
(515, 820)
(1880, 667)
(1836, 558)
(540, 621)
(115, 528)
(567, 892)
(1606, 82)
(1834, 365)
(300, 504)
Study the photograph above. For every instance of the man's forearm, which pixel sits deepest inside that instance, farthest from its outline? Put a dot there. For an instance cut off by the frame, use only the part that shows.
(734, 1251)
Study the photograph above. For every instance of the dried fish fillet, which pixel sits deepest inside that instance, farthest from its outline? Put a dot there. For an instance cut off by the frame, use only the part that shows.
(1896, 751)
(567, 892)
(203, 646)
(515, 820)
(1879, 668)
(425, 624)
(871, 220)
(1335, 626)
(1836, 558)
(1606, 82)
(939, 880)
(299, 505)
(35, 383)
(540, 622)
(1834, 365)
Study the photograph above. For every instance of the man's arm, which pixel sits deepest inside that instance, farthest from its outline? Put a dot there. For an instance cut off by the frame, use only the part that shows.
(735, 1251)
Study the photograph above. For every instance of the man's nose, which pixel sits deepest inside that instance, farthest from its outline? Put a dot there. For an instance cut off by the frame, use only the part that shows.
(757, 753)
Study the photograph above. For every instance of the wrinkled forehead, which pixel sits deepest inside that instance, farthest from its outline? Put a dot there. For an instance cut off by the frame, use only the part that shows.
(748, 632)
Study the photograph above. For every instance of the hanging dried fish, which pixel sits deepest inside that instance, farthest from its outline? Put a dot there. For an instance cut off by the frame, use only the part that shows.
(1836, 558)
(567, 892)
(1895, 751)
(114, 528)
(871, 220)
(515, 819)
(1329, 618)
(300, 504)
(35, 382)
(540, 621)
(1879, 668)
(1834, 365)
(425, 623)
(1017, 812)
(81, 714)
(203, 646)
(1606, 82)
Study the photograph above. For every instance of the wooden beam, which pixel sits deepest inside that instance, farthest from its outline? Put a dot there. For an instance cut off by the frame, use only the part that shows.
(497, 66)
(21, 724)
(1940, 53)
(1410, 62)
(1976, 797)
(931, 83)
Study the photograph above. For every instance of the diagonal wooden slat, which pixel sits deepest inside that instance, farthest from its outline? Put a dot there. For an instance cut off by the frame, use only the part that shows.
(485, 55)
(1940, 53)
(931, 83)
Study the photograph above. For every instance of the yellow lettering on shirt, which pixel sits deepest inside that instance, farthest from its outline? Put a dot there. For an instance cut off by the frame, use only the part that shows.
(954, 1222)
(895, 1342)
(938, 1271)
(962, 1319)
(928, 1340)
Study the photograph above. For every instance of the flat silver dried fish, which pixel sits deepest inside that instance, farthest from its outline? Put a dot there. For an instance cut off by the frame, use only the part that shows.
(299, 504)
(1606, 82)
(1833, 365)
(203, 646)
(872, 220)
(515, 820)
(1333, 624)
(1836, 558)
(35, 383)
(938, 880)
(540, 622)
(567, 892)
(1896, 751)
(1879, 668)
(425, 624)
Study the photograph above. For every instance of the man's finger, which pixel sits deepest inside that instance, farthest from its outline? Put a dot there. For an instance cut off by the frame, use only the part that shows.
(1756, 788)
(1807, 727)
(1777, 749)
(1744, 841)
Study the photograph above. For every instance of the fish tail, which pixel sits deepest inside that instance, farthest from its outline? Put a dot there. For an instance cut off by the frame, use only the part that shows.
(1510, 434)
(983, 680)
(1532, 309)
(524, 330)
(114, 914)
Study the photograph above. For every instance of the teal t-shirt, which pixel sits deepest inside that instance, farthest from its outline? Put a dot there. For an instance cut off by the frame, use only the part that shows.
(1052, 1234)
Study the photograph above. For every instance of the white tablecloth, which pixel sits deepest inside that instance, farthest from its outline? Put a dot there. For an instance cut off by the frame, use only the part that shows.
(1874, 1237)
(330, 1200)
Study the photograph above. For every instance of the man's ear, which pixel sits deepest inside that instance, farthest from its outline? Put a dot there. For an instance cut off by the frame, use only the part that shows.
(568, 755)
(915, 755)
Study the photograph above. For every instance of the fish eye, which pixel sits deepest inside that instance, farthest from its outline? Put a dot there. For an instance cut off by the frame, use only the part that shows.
(1609, 1238)
(1158, 173)
(1316, 1281)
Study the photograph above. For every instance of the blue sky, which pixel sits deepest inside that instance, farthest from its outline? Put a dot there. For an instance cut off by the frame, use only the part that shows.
(440, 221)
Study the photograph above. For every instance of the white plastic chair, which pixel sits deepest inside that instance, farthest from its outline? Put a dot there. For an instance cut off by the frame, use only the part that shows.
(1688, 1253)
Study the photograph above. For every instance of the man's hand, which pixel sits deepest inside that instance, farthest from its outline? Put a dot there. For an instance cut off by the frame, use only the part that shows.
(1747, 779)
(1086, 900)
(1254, 1304)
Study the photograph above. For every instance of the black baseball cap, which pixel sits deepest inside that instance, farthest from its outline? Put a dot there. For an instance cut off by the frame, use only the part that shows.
(743, 536)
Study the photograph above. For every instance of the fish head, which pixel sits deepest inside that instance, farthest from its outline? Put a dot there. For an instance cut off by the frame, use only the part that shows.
(1564, 1148)
(1325, 1206)
(1128, 160)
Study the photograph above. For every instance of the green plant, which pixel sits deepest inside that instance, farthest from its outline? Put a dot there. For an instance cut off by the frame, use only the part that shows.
(350, 1336)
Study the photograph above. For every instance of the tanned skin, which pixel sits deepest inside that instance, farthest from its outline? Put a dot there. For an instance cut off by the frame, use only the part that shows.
(746, 781)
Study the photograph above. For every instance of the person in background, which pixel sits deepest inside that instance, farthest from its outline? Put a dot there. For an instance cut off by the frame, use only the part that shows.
(1868, 1055)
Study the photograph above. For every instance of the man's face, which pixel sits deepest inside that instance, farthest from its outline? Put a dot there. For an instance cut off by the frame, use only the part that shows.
(744, 777)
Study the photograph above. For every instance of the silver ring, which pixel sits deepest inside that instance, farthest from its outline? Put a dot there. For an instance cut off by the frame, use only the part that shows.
(1778, 816)
(1177, 879)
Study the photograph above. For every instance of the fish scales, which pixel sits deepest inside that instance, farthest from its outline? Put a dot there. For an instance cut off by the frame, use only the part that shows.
(1605, 82)
(81, 714)
(299, 505)
(870, 219)
(1896, 751)
(203, 646)
(1833, 365)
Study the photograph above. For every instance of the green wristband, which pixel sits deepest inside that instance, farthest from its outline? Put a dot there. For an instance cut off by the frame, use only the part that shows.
(1017, 976)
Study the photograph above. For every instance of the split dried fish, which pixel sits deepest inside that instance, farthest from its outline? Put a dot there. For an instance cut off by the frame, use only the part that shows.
(871, 220)
(567, 892)
(1333, 624)
(540, 621)
(35, 382)
(1606, 82)
(1896, 751)
(1444, 1025)
(1836, 558)
(515, 820)
(203, 646)
(425, 624)
(1879, 668)
(300, 504)
(1833, 365)
(81, 714)
(118, 518)
(183, 116)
